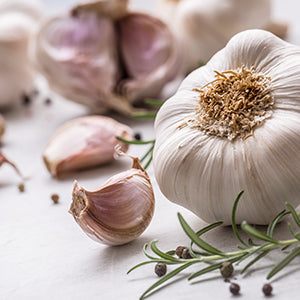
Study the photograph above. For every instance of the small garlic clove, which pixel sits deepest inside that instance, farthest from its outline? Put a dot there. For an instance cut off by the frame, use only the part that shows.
(83, 143)
(119, 210)
(112, 8)
(150, 56)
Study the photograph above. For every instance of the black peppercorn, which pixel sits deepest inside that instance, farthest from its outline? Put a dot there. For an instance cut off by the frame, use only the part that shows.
(160, 269)
(138, 136)
(186, 254)
(234, 288)
(179, 251)
(48, 101)
(226, 269)
(267, 289)
(26, 100)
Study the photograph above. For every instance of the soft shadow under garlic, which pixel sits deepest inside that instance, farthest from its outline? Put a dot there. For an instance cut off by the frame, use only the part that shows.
(119, 210)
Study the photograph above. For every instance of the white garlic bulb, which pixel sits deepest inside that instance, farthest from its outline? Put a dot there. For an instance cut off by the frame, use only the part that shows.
(234, 124)
(107, 59)
(204, 26)
(84, 142)
(19, 23)
(119, 210)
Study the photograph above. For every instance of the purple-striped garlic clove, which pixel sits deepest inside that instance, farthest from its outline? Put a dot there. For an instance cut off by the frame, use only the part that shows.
(83, 143)
(119, 210)
(150, 56)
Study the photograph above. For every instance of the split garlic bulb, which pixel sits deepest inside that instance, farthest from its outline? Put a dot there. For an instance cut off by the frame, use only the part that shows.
(19, 21)
(84, 142)
(107, 58)
(234, 125)
(204, 26)
(119, 210)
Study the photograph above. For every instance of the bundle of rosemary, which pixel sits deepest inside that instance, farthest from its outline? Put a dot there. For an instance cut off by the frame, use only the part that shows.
(206, 253)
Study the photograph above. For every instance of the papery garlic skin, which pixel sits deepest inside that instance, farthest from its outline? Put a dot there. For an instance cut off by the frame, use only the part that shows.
(83, 143)
(205, 172)
(119, 210)
(203, 27)
(19, 23)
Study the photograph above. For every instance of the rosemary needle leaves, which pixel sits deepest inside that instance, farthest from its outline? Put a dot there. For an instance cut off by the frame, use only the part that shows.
(265, 243)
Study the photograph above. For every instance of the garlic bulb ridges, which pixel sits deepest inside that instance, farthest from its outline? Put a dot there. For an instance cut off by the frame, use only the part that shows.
(234, 124)
(119, 210)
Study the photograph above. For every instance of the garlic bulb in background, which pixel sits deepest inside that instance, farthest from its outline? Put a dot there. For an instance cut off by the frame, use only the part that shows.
(107, 59)
(234, 125)
(19, 21)
(204, 26)
(119, 210)
(83, 143)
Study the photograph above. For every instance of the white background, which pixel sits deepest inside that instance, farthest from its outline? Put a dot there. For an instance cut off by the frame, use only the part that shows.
(45, 255)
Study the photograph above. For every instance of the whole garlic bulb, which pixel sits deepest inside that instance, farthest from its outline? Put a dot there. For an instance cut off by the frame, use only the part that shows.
(234, 125)
(107, 59)
(119, 210)
(84, 142)
(19, 23)
(204, 26)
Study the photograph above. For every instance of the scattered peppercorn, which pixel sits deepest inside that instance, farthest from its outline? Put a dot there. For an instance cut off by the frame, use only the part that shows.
(26, 100)
(55, 198)
(186, 254)
(138, 136)
(267, 289)
(160, 269)
(234, 288)
(48, 101)
(179, 251)
(226, 269)
(21, 187)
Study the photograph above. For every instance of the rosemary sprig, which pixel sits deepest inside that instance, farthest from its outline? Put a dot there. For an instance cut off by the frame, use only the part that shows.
(210, 254)
(147, 157)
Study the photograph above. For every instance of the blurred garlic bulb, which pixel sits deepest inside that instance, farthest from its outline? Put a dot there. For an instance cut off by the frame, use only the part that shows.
(234, 124)
(119, 210)
(19, 21)
(204, 26)
(83, 143)
(107, 59)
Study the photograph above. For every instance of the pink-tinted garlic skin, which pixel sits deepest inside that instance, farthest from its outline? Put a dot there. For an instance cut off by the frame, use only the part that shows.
(119, 210)
(150, 55)
(78, 56)
(84, 143)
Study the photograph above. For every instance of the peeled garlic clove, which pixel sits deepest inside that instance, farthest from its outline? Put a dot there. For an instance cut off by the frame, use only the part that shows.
(119, 210)
(78, 56)
(112, 8)
(234, 125)
(18, 26)
(83, 143)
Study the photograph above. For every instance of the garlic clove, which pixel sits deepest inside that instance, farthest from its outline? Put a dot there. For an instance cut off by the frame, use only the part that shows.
(112, 8)
(119, 210)
(78, 56)
(150, 56)
(83, 143)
